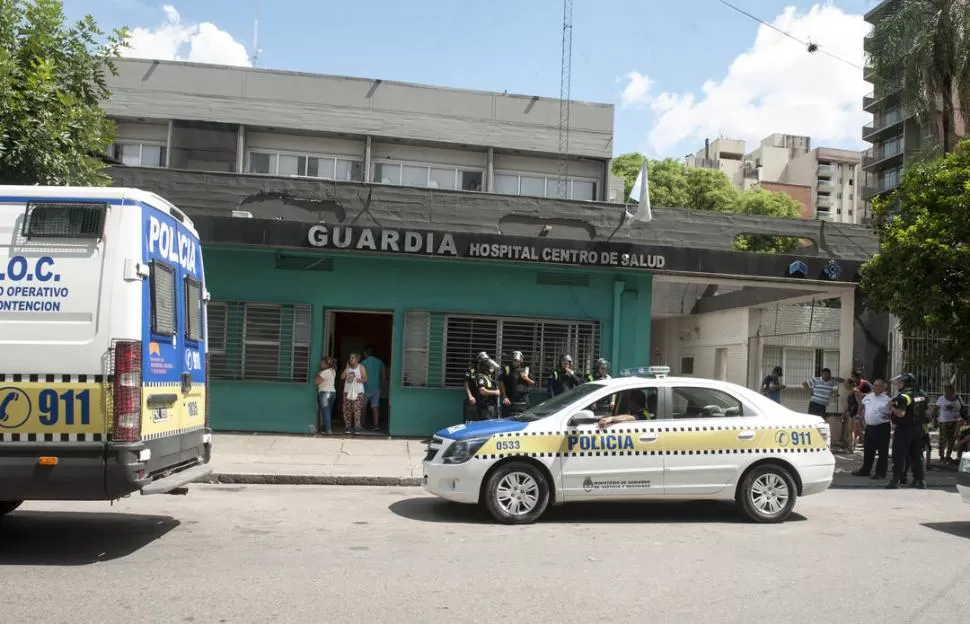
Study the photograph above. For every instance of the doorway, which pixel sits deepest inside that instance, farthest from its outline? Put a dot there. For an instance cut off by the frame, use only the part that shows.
(352, 331)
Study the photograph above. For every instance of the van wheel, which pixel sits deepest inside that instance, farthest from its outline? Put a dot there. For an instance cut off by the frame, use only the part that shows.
(8, 506)
(767, 494)
(517, 493)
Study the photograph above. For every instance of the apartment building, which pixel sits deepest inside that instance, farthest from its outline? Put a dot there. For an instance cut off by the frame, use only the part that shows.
(825, 181)
(893, 131)
(242, 120)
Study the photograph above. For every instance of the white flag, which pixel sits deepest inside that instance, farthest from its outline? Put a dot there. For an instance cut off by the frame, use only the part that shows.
(641, 194)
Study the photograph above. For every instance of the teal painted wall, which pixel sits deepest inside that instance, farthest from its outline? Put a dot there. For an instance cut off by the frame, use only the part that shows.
(398, 284)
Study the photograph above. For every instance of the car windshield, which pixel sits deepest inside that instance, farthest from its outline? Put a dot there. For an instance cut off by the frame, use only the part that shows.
(556, 403)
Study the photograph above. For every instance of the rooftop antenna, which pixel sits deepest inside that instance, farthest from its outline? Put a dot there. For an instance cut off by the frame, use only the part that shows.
(254, 53)
(565, 79)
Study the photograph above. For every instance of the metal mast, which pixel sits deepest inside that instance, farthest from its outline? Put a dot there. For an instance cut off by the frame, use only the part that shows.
(564, 82)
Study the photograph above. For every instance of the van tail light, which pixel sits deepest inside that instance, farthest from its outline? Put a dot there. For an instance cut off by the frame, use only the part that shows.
(207, 393)
(127, 391)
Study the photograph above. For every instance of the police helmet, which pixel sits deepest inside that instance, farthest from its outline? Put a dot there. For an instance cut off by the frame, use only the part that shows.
(486, 364)
(517, 356)
(906, 379)
(565, 358)
(602, 363)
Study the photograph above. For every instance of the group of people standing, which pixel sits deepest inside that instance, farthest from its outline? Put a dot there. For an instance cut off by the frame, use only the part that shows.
(362, 382)
(492, 390)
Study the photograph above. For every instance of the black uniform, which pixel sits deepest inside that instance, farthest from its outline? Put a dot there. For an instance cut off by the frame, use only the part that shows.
(560, 382)
(470, 411)
(516, 390)
(487, 406)
(603, 406)
(908, 437)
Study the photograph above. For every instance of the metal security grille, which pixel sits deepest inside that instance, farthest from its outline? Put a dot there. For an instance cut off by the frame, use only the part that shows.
(439, 347)
(802, 339)
(64, 220)
(164, 317)
(919, 353)
(259, 341)
(193, 309)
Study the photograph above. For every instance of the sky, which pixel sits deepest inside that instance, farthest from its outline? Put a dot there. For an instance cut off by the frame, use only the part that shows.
(677, 72)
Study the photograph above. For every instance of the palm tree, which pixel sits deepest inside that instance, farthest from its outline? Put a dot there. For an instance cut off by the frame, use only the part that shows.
(926, 45)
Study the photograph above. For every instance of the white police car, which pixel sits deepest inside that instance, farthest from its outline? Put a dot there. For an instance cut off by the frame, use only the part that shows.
(704, 439)
(963, 478)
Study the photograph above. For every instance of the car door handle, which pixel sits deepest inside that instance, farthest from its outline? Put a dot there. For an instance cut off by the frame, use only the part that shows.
(648, 437)
(746, 435)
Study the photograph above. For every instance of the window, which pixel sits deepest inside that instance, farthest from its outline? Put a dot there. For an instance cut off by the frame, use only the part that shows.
(622, 403)
(259, 341)
(164, 298)
(306, 165)
(135, 154)
(193, 309)
(439, 347)
(428, 176)
(539, 185)
(64, 220)
(687, 366)
(694, 402)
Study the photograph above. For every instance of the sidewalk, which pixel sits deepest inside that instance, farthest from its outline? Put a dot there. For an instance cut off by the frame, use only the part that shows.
(306, 460)
(255, 458)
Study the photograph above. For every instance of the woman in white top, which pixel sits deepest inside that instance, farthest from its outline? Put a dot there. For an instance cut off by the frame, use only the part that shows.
(947, 413)
(353, 377)
(326, 393)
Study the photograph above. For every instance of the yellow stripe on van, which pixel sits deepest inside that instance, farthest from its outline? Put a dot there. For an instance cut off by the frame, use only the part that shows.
(186, 413)
(52, 412)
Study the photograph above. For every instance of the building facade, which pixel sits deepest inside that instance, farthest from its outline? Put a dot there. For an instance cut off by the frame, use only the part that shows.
(424, 226)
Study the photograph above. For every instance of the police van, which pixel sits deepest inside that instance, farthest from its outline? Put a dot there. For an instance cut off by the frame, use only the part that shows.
(641, 436)
(103, 371)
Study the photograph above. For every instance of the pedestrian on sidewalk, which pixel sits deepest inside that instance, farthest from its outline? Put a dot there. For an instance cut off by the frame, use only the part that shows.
(821, 388)
(858, 388)
(947, 413)
(326, 393)
(771, 386)
(376, 371)
(874, 409)
(354, 377)
(907, 412)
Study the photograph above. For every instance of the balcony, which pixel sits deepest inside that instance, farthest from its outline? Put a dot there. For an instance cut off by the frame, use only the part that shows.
(827, 170)
(874, 14)
(883, 126)
(824, 214)
(824, 202)
(880, 96)
(825, 186)
(881, 187)
(883, 157)
(868, 100)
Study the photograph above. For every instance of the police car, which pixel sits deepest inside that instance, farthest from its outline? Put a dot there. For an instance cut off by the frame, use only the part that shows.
(702, 439)
(963, 478)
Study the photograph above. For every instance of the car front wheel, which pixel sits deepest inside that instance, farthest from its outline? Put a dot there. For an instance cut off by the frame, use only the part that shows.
(517, 493)
(767, 494)
(8, 506)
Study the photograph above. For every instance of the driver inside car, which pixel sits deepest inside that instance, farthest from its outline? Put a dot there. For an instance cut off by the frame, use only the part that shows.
(638, 410)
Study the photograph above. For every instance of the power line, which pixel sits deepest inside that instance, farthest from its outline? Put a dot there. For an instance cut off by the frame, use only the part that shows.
(812, 47)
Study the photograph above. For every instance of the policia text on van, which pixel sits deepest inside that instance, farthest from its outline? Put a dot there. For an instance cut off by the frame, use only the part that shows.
(103, 371)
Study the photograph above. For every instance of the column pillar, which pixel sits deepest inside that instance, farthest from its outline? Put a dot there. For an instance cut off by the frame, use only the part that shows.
(168, 143)
(489, 185)
(367, 159)
(241, 149)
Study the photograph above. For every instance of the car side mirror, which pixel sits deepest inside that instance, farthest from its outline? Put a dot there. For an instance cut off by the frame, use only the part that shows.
(583, 417)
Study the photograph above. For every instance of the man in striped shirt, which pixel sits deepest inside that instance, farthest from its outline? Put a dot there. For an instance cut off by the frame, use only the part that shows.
(821, 388)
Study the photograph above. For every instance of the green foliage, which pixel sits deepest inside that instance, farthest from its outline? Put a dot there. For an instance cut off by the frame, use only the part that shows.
(923, 48)
(922, 271)
(674, 185)
(52, 83)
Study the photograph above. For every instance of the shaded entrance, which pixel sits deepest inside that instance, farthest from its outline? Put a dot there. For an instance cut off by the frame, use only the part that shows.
(352, 331)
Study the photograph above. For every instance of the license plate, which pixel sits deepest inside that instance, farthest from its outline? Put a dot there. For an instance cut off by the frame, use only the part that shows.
(160, 414)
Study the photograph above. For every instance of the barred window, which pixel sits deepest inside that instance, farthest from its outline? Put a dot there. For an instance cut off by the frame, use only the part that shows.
(439, 347)
(259, 341)
(193, 309)
(164, 299)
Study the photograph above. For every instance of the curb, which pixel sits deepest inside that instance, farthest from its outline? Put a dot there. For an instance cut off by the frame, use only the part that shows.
(281, 479)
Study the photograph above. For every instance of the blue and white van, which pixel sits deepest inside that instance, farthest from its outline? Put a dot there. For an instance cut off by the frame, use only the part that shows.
(103, 375)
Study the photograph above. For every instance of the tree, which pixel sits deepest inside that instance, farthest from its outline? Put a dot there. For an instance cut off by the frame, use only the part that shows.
(922, 271)
(711, 189)
(768, 204)
(923, 47)
(52, 83)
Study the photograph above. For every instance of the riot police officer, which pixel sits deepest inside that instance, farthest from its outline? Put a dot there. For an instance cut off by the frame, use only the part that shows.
(908, 410)
(470, 411)
(563, 378)
(486, 392)
(601, 371)
(514, 384)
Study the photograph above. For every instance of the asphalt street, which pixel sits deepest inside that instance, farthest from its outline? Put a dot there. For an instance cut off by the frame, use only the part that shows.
(367, 554)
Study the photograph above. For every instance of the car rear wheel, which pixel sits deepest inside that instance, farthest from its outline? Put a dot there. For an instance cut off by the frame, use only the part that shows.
(517, 493)
(8, 506)
(767, 494)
